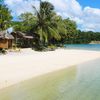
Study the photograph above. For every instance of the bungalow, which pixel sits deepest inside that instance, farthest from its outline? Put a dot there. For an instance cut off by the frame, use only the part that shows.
(6, 40)
(22, 40)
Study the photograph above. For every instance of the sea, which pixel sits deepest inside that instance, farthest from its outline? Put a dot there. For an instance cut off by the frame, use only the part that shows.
(93, 47)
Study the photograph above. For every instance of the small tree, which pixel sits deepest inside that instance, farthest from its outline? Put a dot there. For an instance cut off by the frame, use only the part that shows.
(5, 16)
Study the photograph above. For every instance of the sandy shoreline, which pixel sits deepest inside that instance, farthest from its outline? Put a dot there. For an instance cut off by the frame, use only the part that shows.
(16, 67)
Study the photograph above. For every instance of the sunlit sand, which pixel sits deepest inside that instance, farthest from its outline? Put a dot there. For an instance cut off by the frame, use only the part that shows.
(19, 66)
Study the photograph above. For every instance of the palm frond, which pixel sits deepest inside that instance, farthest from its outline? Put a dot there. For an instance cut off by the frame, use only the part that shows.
(54, 33)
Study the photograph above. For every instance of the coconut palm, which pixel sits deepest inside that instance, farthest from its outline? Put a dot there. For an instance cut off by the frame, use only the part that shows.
(46, 25)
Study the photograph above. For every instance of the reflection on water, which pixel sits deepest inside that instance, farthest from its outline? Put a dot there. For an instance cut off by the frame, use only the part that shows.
(80, 82)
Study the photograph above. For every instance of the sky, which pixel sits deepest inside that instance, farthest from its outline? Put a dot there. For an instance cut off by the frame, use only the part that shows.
(86, 13)
(91, 3)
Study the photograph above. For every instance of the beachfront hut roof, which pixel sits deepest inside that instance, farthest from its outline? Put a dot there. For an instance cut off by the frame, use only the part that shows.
(19, 34)
(5, 35)
(28, 37)
(9, 36)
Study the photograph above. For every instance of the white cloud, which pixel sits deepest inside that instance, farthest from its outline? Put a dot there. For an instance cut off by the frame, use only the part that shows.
(67, 7)
(91, 15)
(21, 6)
(11, 2)
(87, 18)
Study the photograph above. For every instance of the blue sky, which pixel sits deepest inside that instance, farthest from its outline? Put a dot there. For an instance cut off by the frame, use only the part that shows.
(86, 13)
(91, 3)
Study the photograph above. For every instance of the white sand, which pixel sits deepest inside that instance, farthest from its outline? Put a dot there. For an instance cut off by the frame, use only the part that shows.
(16, 67)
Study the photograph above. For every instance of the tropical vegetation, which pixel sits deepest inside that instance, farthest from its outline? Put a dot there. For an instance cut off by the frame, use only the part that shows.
(44, 24)
(5, 16)
(47, 28)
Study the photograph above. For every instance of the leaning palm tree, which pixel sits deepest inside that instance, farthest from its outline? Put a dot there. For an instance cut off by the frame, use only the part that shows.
(46, 26)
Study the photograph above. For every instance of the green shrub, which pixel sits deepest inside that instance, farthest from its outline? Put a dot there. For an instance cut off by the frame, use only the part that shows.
(3, 51)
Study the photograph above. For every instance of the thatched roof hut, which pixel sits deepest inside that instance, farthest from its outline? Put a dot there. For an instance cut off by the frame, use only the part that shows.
(22, 40)
(5, 35)
(5, 40)
(19, 34)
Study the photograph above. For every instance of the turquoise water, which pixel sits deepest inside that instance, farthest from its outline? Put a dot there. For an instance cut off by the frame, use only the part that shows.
(95, 47)
(80, 82)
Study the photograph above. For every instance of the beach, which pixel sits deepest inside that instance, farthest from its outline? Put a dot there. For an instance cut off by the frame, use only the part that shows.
(16, 67)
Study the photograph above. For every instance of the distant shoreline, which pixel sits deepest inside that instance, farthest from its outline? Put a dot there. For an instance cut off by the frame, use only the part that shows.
(26, 64)
(94, 42)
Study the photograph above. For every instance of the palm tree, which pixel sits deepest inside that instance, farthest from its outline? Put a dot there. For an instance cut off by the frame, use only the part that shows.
(46, 26)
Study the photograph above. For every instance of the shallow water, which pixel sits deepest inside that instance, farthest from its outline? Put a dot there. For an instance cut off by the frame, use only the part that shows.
(80, 82)
(93, 47)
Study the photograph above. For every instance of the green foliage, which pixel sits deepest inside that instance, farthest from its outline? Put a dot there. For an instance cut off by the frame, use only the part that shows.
(3, 51)
(27, 20)
(70, 30)
(81, 37)
(48, 28)
(45, 26)
(70, 26)
(5, 17)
